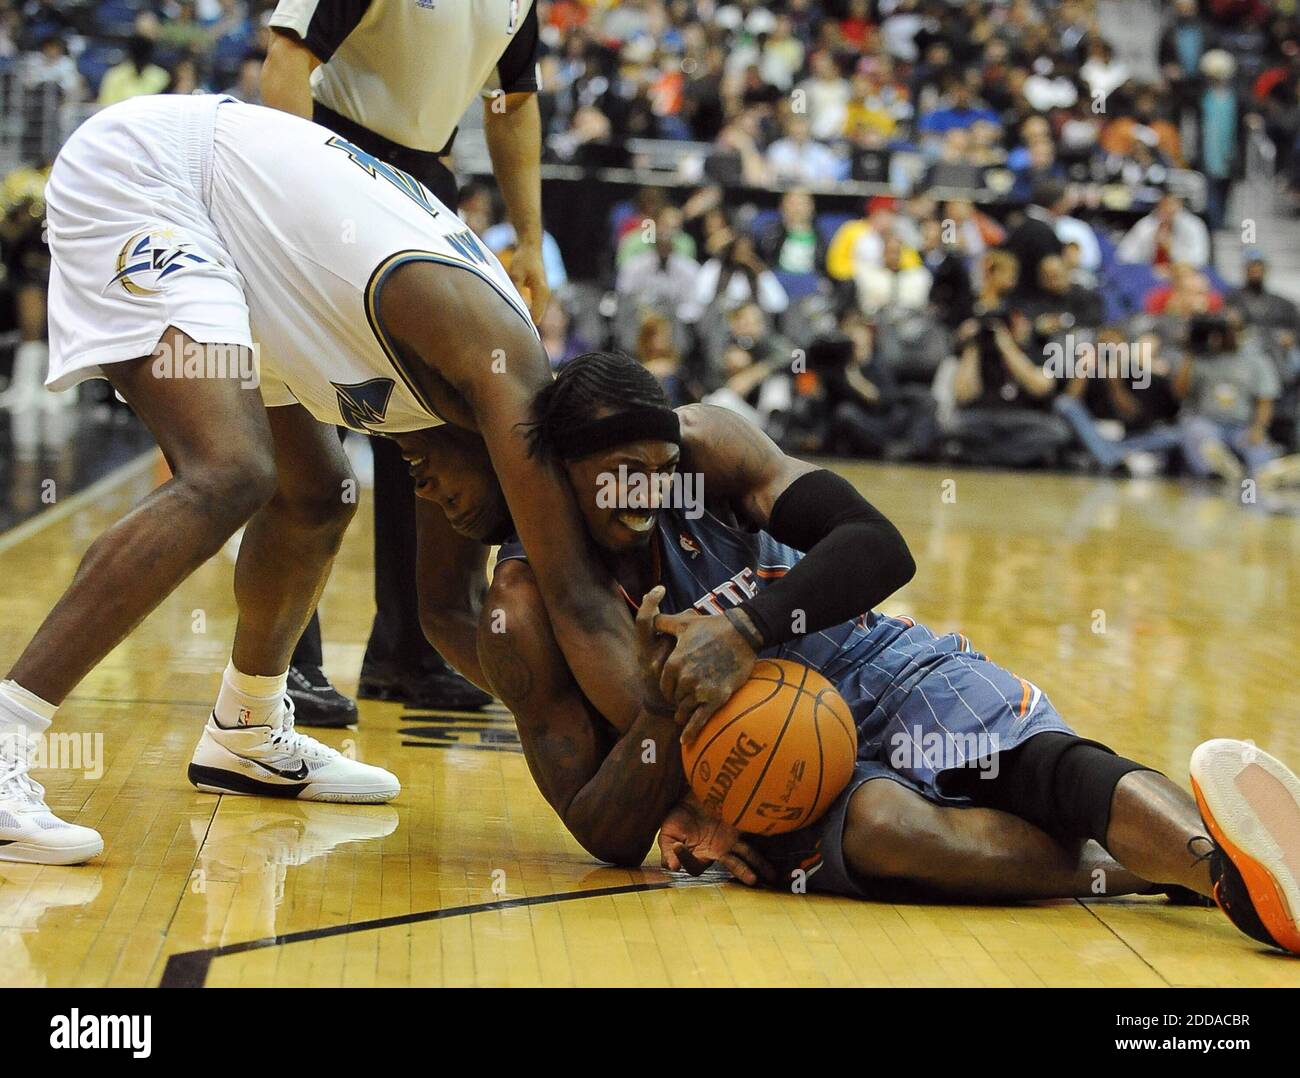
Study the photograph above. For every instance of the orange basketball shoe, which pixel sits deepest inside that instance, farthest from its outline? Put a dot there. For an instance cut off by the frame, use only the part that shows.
(1250, 803)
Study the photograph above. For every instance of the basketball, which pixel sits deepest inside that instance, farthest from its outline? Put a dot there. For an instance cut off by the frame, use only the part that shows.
(774, 756)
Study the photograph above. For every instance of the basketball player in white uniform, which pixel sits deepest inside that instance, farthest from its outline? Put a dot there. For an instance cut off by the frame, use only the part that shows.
(191, 235)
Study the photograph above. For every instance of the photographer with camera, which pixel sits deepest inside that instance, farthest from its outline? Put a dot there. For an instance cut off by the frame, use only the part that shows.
(1228, 394)
(1003, 397)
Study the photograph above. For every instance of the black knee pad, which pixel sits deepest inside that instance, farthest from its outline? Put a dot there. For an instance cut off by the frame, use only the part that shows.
(1059, 782)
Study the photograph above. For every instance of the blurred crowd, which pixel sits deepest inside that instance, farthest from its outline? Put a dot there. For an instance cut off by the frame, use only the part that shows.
(1032, 283)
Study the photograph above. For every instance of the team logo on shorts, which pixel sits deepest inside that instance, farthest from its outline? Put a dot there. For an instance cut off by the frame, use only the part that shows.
(364, 405)
(149, 257)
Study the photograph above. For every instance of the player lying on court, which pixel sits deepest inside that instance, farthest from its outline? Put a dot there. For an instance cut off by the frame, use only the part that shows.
(1035, 818)
(183, 230)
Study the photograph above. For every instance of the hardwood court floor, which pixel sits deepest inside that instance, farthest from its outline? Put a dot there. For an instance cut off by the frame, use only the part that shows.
(1154, 617)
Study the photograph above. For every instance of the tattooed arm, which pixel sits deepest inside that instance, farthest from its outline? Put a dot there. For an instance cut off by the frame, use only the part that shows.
(612, 789)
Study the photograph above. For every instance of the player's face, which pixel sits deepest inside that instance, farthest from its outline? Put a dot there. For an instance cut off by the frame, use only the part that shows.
(451, 469)
(621, 492)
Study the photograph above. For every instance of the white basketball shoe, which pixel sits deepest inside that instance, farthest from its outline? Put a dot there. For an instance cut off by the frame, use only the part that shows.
(29, 831)
(277, 761)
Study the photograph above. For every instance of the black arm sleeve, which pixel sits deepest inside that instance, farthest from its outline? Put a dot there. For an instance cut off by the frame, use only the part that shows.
(517, 68)
(855, 558)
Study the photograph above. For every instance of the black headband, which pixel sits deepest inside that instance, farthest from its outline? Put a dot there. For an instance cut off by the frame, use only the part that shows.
(642, 423)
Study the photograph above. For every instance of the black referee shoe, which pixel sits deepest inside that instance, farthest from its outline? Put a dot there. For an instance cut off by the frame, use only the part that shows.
(434, 689)
(315, 701)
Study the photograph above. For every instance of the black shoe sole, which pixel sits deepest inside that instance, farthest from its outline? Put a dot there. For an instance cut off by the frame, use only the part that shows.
(379, 690)
(214, 780)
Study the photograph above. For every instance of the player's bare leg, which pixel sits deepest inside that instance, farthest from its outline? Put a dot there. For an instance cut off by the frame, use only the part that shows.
(249, 745)
(215, 436)
(1156, 830)
(894, 834)
(289, 545)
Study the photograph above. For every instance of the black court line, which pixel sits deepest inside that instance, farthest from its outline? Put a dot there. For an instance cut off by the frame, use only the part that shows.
(190, 968)
(507, 747)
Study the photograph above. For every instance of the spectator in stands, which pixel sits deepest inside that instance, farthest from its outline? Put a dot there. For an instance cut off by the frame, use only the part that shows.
(1003, 397)
(782, 54)
(1168, 234)
(868, 413)
(825, 97)
(893, 283)
(1187, 292)
(951, 296)
(736, 157)
(1040, 166)
(558, 336)
(1264, 310)
(1061, 306)
(861, 242)
(797, 158)
(248, 85)
(1183, 43)
(25, 272)
(1034, 238)
(1056, 211)
(1142, 125)
(751, 386)
(185, 77)
(1102, 71)
(1220, 130)
(51, 66)
(792, 244)
(1271, 326)
(589, 141)
(1228, 395)
(662, 278)
(656, 348)
(641, 231)
(738, 275)
(1115, 403)
(955, 166)
(181, 30)
(134, 76)
(870, 156)
(958, 108)
(750, 329)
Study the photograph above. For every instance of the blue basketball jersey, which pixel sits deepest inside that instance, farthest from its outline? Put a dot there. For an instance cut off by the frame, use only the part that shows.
(901, 681)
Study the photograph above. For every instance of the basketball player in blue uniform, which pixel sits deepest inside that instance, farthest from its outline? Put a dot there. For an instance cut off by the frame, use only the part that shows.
(968, 783)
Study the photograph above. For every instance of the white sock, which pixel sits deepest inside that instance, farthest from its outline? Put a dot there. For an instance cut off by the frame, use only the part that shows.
(248, 699)
(24, 717)
(18, 707)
